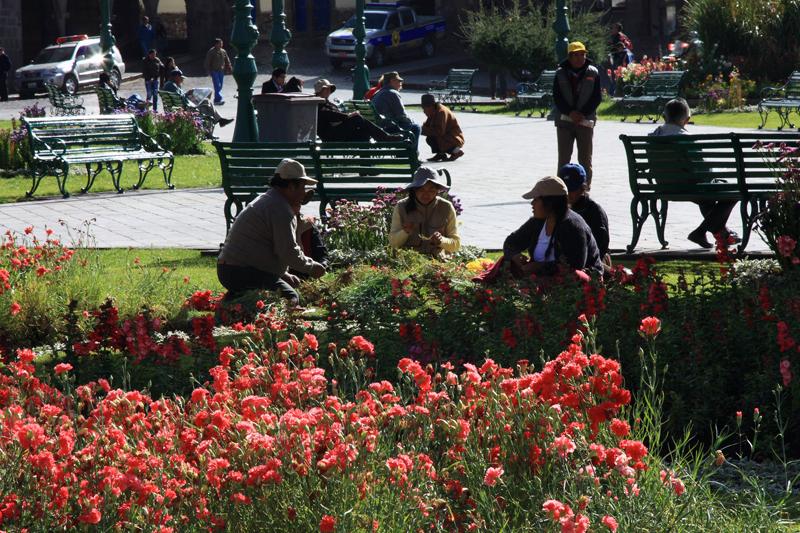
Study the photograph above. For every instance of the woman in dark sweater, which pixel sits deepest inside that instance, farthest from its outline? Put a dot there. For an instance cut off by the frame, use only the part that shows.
(554, 236)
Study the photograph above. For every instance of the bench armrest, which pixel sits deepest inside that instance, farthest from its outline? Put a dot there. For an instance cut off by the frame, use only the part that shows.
(771, 92)
(438, 84)
(446, 174)
(55, 142)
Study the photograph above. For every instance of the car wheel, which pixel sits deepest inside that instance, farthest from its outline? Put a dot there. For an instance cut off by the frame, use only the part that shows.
(428, 48)
(70, 85)
(116, 78)
(336, 63)
(378, 58)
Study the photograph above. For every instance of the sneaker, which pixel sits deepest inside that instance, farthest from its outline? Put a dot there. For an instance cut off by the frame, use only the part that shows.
(455, 155)
(699, 238)
(224, 122)
(221, 102)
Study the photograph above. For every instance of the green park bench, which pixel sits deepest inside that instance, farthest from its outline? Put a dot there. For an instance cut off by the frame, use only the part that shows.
(98, 142)
(63, 104)
(783, 100)
(650, 96)
(367, 110)
(344, 171)
(172, 102)
(691, 168)
(456, 89)
(108, 101)
(536, 96)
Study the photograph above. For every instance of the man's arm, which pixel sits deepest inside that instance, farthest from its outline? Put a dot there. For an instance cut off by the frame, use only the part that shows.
(594, 101)
(286, 247)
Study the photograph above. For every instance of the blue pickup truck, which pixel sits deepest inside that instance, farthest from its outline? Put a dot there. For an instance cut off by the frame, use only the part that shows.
(392, 30)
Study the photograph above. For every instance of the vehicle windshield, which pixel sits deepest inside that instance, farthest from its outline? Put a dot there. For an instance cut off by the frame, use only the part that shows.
(54, 55)
(374, 21)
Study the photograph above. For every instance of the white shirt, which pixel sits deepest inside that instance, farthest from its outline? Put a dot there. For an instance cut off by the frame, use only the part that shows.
(541, 247)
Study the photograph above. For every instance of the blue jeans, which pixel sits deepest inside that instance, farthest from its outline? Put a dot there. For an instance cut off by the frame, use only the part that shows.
(217, 77)
(152, 92)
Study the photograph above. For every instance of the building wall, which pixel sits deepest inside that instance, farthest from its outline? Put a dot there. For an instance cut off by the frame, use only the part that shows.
(11, 30)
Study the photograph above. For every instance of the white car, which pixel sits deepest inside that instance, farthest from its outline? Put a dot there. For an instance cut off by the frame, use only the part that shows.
(73, 62)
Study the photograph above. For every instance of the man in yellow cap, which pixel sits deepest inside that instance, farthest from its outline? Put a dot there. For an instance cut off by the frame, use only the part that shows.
(576, 92)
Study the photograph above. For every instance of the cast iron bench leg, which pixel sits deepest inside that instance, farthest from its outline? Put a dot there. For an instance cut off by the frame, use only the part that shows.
(639, 213)
(61, 178)
(144, 168)
(660, 217)
(166, 168)
(764, 114)
(750, 209)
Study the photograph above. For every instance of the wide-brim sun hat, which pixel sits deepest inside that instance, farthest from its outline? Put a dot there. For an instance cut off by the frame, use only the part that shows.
(547, 186)
(424, 175)
(292, 170)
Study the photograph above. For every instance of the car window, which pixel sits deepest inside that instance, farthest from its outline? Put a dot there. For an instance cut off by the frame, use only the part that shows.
(407, 17)
(95, 50)
(83, 52)
(54, 55)
(372, 21)
(393, 22)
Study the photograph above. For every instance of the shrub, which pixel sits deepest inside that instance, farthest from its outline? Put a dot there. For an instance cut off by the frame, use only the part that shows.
(14, 152)
(184, 129)
(779, 223)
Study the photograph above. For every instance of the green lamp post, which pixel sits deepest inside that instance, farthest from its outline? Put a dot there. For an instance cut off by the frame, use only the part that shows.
(360, 72)
(279, 37)
(107, 40)
(244, 37)
(561, 26)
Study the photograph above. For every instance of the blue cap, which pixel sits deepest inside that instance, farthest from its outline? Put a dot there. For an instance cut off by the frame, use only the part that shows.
(574, 176)
(176, 72)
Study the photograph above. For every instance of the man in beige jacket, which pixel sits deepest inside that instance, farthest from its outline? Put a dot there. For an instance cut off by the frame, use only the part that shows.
(217, 65)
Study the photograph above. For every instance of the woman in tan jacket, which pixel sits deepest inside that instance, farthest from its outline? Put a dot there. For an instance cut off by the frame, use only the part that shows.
(441, 130)
(424, 221)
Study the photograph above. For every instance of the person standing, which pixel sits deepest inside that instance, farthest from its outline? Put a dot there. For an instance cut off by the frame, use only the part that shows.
(5, 68)
(146, 35)
(151, 70)
(441, 130)
(217, 65)
(388, 102)
(576, 92)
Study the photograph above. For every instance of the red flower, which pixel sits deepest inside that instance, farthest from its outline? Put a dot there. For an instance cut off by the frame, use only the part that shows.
(651, 326)
(620, 428)
(311, 341)
(492, 475)
(61, 368)
(610, 522)
(327, 524)
(15, 308)
(363, 345)
(92, 516)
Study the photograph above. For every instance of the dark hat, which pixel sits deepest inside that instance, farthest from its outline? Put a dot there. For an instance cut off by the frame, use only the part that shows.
(574, 176)
(428, 100)
(176, 72)
(389, 76)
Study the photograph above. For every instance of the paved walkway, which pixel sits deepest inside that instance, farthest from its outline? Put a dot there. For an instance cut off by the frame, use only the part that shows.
(504, 157)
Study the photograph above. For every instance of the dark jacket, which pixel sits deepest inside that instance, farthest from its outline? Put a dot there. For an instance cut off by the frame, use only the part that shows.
(151, 68)
(328, 118)
(597, 220)
(270, 86)
(574, 244)
(5, 65)
(577, 90)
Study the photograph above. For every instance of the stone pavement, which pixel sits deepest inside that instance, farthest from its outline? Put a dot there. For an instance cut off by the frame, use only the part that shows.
(504, 157)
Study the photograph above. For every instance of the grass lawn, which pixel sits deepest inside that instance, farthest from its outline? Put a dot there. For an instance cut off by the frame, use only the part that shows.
(5, 124)
(191, 171)
(609, 111)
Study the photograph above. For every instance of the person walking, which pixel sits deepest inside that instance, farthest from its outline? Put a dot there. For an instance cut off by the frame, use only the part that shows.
(146, 35)
(217, 65)
(576, 93)
(441, 130)
(151, 70)
(5, 68)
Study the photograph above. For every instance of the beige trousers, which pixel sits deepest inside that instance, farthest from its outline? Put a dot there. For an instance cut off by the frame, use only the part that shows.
(567, 137)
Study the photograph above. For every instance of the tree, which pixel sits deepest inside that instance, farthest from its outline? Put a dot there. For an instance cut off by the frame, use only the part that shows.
(206, 20)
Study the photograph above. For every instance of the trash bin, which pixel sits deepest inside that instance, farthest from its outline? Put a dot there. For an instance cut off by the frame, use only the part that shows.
(290, 117)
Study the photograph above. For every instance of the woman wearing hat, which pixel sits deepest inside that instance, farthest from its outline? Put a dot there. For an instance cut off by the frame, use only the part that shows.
(554, 235)
(424, 221)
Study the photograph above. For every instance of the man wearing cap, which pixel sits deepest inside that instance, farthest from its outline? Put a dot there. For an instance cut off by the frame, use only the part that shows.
(424, 221)
(388, 102)
(218, 63)
(554, 236)
(262, 243)
(333, 125)
(576, 92)
(276, 83)
(574, 177)
(441, 130)
(205, 107)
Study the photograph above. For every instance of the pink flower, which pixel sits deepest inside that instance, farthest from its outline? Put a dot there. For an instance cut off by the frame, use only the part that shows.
(492, 475)
(61, 368)
(15, 309)
(786, 372)
(786, 245)
(651, 326)
(610, 522)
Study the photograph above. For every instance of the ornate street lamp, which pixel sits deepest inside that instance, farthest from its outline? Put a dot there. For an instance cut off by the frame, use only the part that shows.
(107, 40)
(280, 36)
(244, 37)
(360, 72)
(561, 26)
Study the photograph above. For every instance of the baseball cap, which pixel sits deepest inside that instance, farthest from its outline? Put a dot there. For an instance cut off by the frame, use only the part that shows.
(547, 186)
(389, 76)
(573, 175)
(290, 170)
(321, 84)
(576, 46)
(176, 72)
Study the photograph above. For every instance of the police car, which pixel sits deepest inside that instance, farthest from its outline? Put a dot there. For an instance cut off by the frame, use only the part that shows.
(73, 62)
(392, 30)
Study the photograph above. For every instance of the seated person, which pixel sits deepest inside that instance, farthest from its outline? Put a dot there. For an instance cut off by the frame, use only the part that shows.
(262, 243)
(294, 85)
(715, 213)
(554, 236)
(333, 125)
(441, 130)
(388, 103)
(205, 107)
(574, 177)
(276, 83)
(425, 221)
(134, 101)
(371, 92)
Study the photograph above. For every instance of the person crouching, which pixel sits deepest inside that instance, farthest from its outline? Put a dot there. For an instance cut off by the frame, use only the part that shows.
(441, 130)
